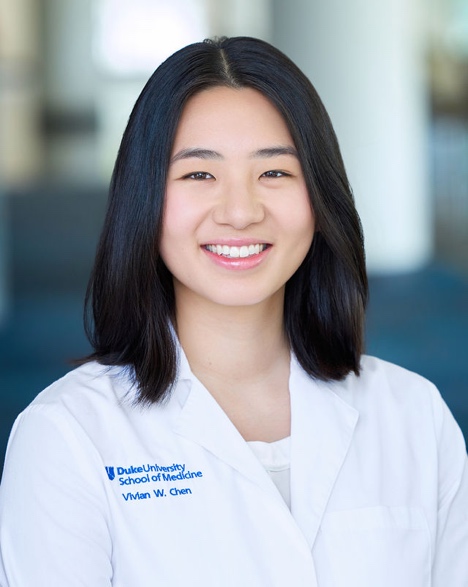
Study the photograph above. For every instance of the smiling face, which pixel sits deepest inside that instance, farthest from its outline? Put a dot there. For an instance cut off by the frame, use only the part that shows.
(238, 220)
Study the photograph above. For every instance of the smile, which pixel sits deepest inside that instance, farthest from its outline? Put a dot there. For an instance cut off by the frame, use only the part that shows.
(236, 252)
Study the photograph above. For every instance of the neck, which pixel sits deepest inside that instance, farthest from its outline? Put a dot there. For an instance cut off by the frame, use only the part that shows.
(236, 344)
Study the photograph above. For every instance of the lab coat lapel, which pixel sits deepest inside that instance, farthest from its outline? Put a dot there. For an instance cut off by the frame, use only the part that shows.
(202, 421)
(322, 427)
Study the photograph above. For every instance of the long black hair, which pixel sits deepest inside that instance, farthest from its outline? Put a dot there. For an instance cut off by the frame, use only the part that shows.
(130, 293)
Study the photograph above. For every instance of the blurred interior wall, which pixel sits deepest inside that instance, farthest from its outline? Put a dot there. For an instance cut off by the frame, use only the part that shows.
(448, 58)
(21, 89)
(251, 18)
(20, 98)
(69, 113)
(366, 60)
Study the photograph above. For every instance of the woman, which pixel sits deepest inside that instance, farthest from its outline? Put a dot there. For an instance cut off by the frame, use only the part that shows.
(227, 429)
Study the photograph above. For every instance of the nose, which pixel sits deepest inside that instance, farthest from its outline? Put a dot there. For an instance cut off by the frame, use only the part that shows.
(239, 206)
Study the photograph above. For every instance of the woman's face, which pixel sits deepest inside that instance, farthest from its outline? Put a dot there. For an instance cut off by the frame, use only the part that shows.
(238, 220)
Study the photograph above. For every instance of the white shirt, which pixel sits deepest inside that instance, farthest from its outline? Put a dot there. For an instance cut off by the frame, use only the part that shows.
(98, 491)
(275, 458)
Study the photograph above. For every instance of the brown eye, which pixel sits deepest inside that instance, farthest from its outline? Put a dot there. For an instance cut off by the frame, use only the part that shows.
(275, 173)
(198, 175)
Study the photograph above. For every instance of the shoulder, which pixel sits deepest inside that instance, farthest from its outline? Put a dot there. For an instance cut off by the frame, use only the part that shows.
(382, 382)
(89, 385)
(77, 403)
(377, 371)
(394, 398)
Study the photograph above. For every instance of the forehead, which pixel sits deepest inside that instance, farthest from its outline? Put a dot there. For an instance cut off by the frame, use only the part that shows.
(244, 117)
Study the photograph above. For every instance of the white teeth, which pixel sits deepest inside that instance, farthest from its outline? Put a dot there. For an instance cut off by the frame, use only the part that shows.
(236, 252)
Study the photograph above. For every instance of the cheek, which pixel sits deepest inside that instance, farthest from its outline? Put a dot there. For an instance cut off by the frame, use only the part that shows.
(170, 227)
(173, 210)
(308, 216)
(301, 227)
(305, 219)
(298, 217)
(181, 219)
(176, 218)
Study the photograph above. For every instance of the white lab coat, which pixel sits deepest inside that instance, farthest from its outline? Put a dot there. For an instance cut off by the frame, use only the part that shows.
(379, 488)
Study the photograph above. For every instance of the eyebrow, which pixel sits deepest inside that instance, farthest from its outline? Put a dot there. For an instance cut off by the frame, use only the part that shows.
(197, 153)
(265, 153)
(274, 152)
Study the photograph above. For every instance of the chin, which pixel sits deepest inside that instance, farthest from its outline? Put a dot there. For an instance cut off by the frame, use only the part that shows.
(246, 300)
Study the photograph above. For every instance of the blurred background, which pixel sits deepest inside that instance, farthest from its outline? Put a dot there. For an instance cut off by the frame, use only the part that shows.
(393, 75)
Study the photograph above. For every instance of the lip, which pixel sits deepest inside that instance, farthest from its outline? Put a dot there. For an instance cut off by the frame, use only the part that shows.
(237, 263)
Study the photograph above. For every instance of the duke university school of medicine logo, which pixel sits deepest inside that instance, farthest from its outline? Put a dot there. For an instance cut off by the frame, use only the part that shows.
(148, 473)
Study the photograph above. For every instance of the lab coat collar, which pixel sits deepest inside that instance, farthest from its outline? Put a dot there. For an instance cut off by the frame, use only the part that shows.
(184, 372)
(322, 427)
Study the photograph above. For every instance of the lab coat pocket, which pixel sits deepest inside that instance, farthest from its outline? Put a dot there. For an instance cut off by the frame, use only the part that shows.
(384, 546)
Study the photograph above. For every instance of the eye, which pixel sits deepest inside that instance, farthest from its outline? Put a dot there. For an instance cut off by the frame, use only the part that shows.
(198, 175)
(273, 173)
